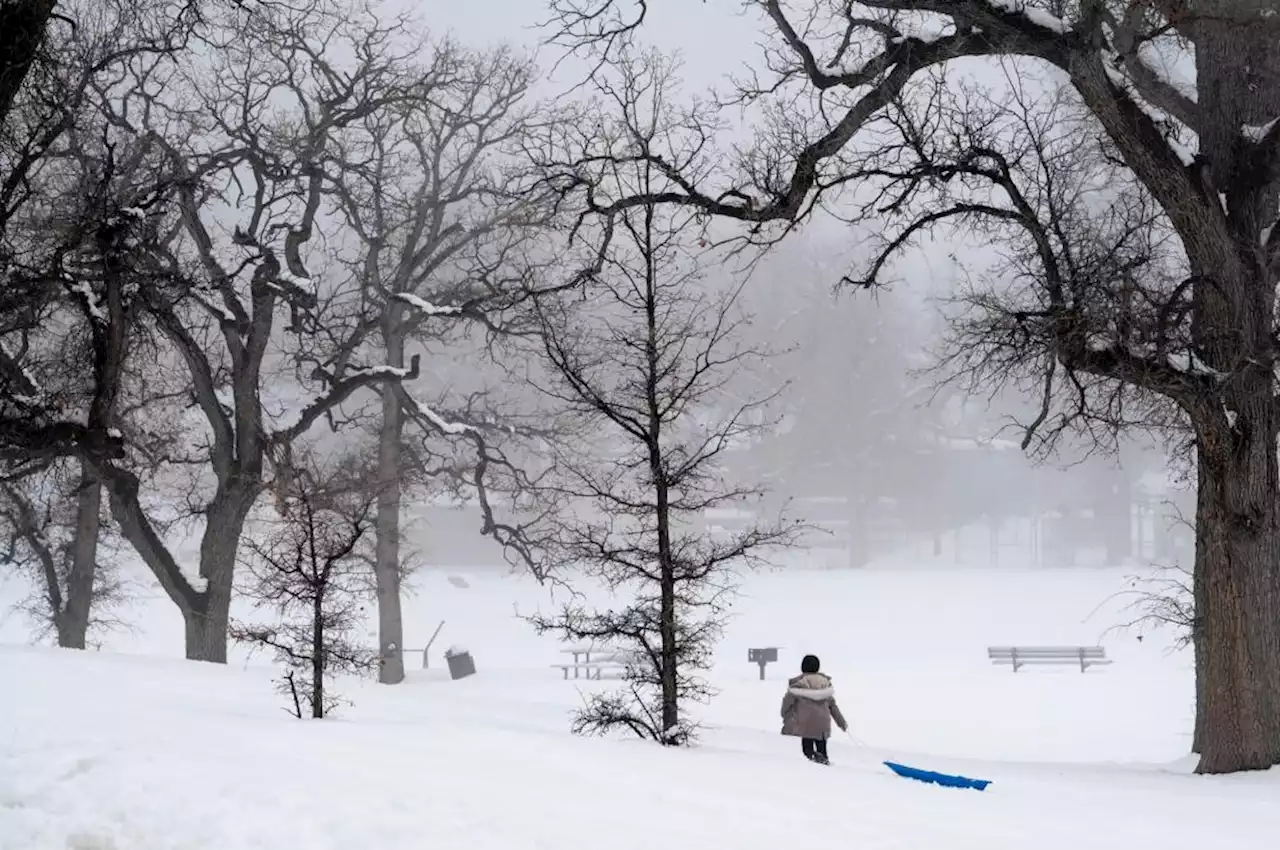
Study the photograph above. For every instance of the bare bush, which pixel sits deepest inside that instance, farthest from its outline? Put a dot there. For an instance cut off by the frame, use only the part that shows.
(308, 569)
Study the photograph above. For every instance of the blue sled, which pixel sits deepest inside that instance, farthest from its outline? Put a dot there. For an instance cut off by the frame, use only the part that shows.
(940, 778)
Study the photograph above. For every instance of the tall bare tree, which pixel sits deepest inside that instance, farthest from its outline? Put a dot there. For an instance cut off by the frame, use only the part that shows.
(215, 297)
(641, 360)
(444, 219)
(1205, 152)
(71, 230)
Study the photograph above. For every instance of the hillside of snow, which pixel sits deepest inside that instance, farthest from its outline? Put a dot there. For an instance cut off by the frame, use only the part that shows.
(124, 750)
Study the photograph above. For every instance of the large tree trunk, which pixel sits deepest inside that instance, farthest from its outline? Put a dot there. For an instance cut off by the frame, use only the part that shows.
(1237, 587)
(1237, 576)
(387, 547)
(206, 622)
(1200, 647)
(73, 619)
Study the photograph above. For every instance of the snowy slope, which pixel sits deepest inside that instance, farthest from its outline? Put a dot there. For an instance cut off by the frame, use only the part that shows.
(101, 751)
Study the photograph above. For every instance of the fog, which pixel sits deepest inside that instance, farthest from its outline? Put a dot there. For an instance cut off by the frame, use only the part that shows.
(863, 429)
(889, 461)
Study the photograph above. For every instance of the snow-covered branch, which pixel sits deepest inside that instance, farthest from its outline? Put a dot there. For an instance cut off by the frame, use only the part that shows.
(426, 307)
(339, 392)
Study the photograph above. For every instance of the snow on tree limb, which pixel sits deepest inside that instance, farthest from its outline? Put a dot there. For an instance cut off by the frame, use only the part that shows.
(338, 392)
(439, 423)
(419, 303)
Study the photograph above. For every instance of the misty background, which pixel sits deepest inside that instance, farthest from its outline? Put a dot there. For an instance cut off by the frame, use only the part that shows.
(870, 443)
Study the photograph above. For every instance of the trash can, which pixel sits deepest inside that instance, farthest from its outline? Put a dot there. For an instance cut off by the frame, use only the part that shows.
(461, 665)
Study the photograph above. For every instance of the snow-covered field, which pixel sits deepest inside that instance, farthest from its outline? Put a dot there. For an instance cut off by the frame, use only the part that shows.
(133, 749)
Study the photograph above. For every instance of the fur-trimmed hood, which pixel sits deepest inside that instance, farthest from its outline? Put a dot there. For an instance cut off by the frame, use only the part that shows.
(814, 686)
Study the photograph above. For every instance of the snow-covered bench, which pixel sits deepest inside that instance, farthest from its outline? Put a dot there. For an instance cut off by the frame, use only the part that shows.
(1020, 656)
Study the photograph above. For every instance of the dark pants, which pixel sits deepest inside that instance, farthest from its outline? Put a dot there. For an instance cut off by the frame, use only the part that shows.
(812, 746)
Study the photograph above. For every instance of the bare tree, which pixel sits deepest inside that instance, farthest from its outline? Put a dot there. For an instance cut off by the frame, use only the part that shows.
(308, 569)
(444, 220)
(640, 360)
(76, 213)
(41, 519)
(55, 188)
(25, 27)
(839, 66)
(216, 297)
(92, 239)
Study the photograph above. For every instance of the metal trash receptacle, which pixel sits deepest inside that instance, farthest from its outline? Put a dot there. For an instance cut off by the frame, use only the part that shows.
(461, 664)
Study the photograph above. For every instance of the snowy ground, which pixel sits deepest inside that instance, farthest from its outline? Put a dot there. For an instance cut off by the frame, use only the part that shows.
(123, 750)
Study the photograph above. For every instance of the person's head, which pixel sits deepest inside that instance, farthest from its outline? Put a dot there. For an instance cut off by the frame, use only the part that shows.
(809, 664)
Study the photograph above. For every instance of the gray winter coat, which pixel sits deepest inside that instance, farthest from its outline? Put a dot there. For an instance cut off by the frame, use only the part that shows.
(808, 707)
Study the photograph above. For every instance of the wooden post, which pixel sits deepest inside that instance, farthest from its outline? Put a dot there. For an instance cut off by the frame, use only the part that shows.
(1013, 652)
(1082, 664)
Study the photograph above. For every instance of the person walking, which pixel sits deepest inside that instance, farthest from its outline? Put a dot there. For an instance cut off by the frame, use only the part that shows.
(808, 709)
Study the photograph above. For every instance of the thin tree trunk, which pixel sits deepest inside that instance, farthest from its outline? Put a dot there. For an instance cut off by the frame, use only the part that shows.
(317, 655)
(73, 619)
(670, 651)
(387, 545)
(667, 616)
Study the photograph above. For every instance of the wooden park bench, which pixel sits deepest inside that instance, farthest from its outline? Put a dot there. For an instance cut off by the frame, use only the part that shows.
(606, 659)
(1020, 656)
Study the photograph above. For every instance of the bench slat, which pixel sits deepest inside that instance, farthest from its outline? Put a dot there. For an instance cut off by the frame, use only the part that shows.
(1020, 656)
(1030, 650)
(1021, 660)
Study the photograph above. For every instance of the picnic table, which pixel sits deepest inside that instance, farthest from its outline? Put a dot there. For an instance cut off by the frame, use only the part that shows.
(607, 658)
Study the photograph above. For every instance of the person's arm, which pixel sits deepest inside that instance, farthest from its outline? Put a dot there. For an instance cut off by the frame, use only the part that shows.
(788, 703)
(838, 717)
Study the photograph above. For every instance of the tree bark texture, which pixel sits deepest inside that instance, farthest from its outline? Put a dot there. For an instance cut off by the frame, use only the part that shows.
(1237, 594)
(1237, 575)
(387, 545)
(22, 27)
(670, 652)
(73, 619)
(205, 612)
(317, 655)
(207, 622)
